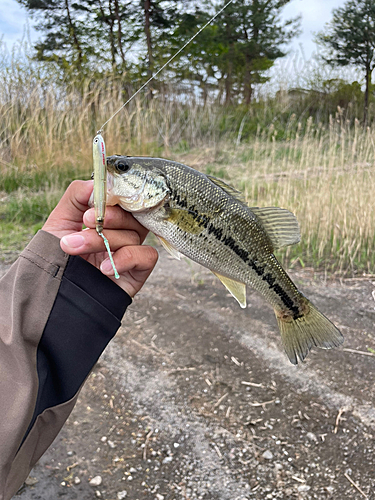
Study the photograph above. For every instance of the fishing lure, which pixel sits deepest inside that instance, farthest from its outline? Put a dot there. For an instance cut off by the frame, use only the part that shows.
(100, 191)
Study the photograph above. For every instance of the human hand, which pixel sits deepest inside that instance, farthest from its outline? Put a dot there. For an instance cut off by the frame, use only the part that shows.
(133, 261)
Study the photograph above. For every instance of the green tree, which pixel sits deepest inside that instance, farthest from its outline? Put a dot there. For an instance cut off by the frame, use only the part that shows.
(254, 36)
(197, 64)
(83, 38)
(350, 39)
(154, 21)
(240, 46)
(62, 41)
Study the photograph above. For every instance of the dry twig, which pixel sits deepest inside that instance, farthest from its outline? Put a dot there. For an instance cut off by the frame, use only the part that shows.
(235, 361)
(355, 486)
(220, 400)
(264, 403)
(338, 418)
(252, 384)
(146, 443)
(363, 353)
(181, 370)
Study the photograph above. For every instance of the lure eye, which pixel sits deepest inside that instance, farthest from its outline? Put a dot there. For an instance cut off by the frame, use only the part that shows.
(122, 167)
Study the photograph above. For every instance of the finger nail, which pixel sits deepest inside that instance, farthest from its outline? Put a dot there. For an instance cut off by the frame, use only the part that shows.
(73, 240)
(89, 217)
(106, 266)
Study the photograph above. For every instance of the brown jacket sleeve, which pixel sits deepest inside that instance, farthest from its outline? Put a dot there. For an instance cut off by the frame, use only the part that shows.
(57, 314)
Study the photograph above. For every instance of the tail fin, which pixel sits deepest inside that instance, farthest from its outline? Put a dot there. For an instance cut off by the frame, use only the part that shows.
(312, 329)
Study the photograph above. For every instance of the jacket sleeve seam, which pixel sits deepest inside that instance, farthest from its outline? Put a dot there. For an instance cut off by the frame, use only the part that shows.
(56, 267)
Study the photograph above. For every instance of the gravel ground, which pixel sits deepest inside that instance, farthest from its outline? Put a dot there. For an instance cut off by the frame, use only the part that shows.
(195, 399)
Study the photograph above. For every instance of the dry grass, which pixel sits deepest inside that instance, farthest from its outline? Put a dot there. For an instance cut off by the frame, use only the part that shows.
(323, 175)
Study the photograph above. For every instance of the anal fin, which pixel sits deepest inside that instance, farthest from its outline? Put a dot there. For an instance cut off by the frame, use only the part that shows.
(237, 289)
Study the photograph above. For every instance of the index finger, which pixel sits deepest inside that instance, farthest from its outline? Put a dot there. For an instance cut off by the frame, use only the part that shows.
(116, 218)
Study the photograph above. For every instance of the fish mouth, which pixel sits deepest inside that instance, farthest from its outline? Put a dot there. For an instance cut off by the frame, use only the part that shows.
(134, 203)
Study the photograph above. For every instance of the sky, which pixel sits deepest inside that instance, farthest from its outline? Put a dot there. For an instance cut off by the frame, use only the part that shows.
(315, 13)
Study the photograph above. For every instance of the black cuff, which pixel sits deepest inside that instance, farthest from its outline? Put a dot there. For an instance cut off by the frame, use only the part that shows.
(85, 316)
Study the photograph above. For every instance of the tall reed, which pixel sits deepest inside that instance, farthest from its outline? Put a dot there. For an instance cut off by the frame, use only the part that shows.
(323, 173)
(326, 177)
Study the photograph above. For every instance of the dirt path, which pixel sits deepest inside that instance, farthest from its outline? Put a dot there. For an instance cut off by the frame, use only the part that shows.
(195, 399)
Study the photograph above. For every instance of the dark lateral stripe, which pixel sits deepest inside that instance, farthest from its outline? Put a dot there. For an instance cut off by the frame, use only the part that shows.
(203, 220)
(259, 269)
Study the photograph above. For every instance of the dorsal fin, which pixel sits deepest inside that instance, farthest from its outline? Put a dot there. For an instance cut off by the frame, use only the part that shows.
(280, 225)
(228, 189)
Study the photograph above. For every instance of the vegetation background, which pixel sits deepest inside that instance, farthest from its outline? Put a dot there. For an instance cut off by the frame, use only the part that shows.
(303, 140)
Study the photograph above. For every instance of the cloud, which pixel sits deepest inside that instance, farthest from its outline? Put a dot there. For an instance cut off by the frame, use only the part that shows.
(13, 23)
(315, 14)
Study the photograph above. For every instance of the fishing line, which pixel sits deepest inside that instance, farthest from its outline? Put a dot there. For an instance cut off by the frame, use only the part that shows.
(99, 156)
(165, 65)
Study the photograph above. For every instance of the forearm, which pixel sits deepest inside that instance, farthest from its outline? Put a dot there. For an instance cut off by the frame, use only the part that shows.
(57, 314)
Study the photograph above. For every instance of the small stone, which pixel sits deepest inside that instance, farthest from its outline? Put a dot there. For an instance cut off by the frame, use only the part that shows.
(103, 439)
(77, 480)
(330, 489)
(69, 453)
(311, 436)
(111, 444)
(121, 495)
(96, 481)
(176, 445)
(303, 487)
(63, 483)
(268, 455)
(159, 497)
(98, 494)
(30, 481)
(167, 460)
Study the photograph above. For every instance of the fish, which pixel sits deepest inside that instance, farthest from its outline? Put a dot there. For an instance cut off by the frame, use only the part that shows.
(208, 221)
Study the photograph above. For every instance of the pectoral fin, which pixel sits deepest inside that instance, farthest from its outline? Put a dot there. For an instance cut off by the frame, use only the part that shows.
(169, 248)
(237, 289)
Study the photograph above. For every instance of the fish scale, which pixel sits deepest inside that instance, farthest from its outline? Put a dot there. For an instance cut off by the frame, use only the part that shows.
(205, 219)
(210, 243)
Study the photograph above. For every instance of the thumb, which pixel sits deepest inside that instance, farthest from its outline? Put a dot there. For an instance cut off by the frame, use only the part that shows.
(68, 214)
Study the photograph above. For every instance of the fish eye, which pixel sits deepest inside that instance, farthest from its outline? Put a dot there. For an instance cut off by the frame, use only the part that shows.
(122, 167)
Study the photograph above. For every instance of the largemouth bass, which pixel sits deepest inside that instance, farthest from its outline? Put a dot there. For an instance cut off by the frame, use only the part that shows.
(206, 220)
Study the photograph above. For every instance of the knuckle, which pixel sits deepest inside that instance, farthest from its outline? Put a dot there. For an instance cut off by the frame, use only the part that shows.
(75, 185)
(134, 238)
(151, 255)
(126, 254)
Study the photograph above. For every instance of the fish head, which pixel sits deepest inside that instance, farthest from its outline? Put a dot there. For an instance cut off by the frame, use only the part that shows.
(135, 183)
